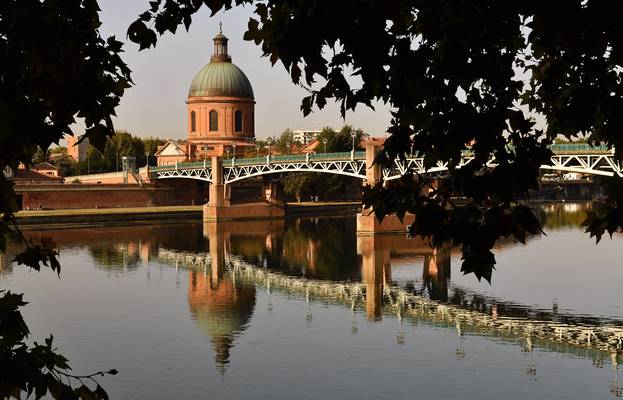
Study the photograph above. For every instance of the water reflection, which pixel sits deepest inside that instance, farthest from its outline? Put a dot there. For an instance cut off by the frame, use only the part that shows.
(323, 249)
(222, 310)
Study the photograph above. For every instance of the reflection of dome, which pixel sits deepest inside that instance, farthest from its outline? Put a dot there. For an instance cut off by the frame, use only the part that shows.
(221, 311)
(221, 78)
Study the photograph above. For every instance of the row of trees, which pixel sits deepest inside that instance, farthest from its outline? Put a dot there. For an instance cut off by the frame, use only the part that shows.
(336, 140)
(120, 145)
(302, 185)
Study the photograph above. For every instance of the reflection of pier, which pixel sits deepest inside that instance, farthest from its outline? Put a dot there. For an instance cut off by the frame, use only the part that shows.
(376, 251)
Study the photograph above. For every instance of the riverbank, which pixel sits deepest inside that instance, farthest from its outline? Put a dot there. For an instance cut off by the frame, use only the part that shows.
(309, 208)
(108, 216)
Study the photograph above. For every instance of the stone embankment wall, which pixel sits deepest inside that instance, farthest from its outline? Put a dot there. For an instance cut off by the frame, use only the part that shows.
(170, 192)
(75, 196)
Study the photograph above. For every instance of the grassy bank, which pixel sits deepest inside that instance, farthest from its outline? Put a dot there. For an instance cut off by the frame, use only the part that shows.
(107, 215)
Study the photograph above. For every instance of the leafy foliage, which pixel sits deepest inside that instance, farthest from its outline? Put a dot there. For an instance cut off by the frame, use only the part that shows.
(455, 73)
(285, 143)
(606, 214)
(54, 67)
(36, 370)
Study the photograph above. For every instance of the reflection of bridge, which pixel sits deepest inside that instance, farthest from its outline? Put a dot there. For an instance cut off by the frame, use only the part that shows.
(579, 158)
(380, 297)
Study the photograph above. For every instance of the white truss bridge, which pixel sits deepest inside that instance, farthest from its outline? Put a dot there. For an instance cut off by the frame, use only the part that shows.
(578, 158)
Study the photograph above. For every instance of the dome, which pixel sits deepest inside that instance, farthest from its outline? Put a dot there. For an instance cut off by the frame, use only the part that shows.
(221, 78)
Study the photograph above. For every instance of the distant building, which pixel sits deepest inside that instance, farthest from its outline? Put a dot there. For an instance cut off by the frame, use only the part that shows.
(75, 150)
(174, 151)
(311, 147)
(45, 168)
(40, 173)
(305, 136)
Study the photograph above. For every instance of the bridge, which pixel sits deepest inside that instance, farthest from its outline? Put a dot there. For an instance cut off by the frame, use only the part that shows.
(579, 158)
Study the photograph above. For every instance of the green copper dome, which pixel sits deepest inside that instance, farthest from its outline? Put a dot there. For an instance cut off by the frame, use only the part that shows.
(221, 78)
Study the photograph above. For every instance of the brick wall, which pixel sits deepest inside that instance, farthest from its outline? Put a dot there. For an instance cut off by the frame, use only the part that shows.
(51, 197)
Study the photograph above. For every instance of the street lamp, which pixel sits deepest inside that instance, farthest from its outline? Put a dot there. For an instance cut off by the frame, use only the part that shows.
(324, 142)
(234, 149)
(270, 141)
(227, 150)
(257, 150)
(353, 135)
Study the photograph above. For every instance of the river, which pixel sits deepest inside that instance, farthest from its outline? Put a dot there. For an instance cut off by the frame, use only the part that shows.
(304, 308)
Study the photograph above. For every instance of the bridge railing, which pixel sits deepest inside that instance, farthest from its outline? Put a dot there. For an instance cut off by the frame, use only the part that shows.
(296, 158)
(182, 165)
(339, 156)
(577, 148)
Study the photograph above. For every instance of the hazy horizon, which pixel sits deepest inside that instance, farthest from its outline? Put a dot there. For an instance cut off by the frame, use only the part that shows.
(155, 105)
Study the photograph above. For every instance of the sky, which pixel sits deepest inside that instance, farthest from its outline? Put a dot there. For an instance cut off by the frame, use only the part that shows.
(155, 105)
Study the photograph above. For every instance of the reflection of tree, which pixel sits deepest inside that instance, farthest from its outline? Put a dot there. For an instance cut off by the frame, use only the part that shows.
(557, 216)
(114, 257)
(320, 248)
(222, 311)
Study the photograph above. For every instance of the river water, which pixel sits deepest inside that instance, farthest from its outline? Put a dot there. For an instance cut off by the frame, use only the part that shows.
(165, 305)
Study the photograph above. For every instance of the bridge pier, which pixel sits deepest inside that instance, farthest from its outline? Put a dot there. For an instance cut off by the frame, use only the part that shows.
(219, 207)
(367, 223)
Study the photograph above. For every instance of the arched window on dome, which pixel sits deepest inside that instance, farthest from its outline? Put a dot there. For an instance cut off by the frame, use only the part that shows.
(193, 121)
(213, 121)
(238, 121)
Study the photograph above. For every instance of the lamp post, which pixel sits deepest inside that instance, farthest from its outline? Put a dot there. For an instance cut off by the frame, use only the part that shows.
(352, 152)
(227, 150)
(324, 142)
(234, 150)
(257, 150)
(269, 141)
